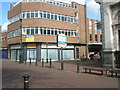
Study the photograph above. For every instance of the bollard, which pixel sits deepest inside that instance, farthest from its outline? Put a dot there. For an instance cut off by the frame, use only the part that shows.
(25, 61)
(26, 81)
(16, 60)
(47, 60)
(62, 65)
(77, 66)
(42, 62)
(50, 63)
(36, 62)
(30, 61)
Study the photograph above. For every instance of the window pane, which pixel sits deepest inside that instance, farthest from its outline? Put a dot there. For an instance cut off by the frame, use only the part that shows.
(32, 31)
(32, 14)
(41, 30)
(55, 17)
(48, 16)
(45, 31)
(28, 15)
(41, 15)
(36, 13)
(36, 30)
(52, 17)
(28, 31)
(45, 15)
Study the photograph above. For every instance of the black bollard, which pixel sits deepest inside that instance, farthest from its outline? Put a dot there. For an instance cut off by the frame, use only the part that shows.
(78, 66)
(50, 63)
(42, 62)
(47, 60)
(30, 61)
(62, 65)
(26, 81)
(36, 62)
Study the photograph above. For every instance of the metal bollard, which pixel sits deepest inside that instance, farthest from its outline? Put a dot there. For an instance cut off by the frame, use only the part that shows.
(26, 81)
(30, 61)
(78, 66)
(42, 62)
(47, 60)
(62, 65)
(36, 62)
(50, 63)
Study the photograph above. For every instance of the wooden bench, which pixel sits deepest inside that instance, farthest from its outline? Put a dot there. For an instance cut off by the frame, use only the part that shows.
(114, 71)
(102, 70)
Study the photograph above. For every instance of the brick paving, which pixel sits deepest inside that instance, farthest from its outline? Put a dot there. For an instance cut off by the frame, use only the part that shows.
(44, 77)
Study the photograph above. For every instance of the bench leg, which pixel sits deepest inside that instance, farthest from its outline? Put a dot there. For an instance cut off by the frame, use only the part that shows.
(89, 71)
(102, 72)
(85, 70)
(116, 74)
(111, 74)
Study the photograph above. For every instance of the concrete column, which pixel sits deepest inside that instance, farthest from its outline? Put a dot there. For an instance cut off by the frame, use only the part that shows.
(38, 52)
(108, 44)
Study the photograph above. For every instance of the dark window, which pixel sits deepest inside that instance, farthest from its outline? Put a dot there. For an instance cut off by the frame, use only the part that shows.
(28, 31)
(90, 37)
(55, 32)
(55, 17)
(48, 16)
(41, 30)
(28, 15)
(45, 31)
(96, 37)
(32, 15)
(32, 31)
(36, 30)
(52, 17)
(36, 14)
(48, 32)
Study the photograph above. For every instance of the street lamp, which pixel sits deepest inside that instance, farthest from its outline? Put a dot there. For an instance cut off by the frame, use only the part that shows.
(21, 51)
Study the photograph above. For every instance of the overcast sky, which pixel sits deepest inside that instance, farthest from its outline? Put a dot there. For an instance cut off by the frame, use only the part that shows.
(93, 10)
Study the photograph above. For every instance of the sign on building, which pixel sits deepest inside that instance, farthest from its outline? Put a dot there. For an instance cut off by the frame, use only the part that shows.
(62, 40)
(29, 38)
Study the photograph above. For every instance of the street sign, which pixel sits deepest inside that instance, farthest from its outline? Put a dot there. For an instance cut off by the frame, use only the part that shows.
(62, 40)
(29, 38)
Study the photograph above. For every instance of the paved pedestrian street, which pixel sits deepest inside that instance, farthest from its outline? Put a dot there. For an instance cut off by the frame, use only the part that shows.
(45, 77)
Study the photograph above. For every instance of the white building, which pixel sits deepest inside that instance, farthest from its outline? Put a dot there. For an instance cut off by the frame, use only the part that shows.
(110, 19)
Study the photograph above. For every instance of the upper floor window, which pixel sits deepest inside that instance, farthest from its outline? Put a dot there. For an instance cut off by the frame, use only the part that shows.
(43, 14)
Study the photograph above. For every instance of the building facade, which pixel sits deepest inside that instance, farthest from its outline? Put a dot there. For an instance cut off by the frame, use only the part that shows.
(94, 36)
(35, 24)
(110, 17)
(3, 45)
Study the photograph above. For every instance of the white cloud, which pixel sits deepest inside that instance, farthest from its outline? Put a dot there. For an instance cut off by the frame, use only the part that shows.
(93, 7)
(4, 26)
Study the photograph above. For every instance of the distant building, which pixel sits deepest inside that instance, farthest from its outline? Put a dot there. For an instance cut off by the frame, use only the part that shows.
(41, 22)
(110, 13)
(94, 36)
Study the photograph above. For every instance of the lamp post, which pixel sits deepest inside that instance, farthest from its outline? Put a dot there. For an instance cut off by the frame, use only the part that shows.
(21, 51)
